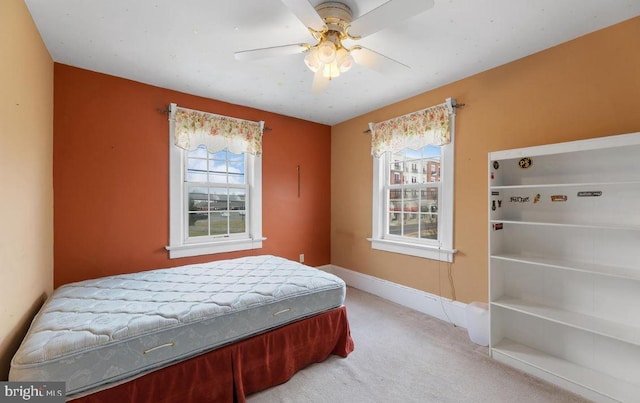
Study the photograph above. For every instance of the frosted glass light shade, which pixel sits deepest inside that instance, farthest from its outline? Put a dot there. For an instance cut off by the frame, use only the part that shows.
(344, 60)
(327, 52)
(312, 61)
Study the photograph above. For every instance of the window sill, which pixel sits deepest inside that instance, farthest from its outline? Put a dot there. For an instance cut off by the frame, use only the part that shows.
(209, 248)
(406, 248)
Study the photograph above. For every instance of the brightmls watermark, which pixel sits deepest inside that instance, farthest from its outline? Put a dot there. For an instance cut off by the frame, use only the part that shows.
(33, 392)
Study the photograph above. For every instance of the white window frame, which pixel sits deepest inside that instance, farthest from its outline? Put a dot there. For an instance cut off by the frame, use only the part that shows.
(179, 244)
(441, 249)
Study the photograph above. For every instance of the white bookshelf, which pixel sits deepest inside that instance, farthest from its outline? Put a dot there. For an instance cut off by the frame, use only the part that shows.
(564, 264)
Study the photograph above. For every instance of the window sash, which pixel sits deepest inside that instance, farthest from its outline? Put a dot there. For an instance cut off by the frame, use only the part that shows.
(402, 187)
(228, 235)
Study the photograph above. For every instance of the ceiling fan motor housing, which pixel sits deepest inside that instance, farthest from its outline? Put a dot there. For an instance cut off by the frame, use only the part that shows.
(336, 16)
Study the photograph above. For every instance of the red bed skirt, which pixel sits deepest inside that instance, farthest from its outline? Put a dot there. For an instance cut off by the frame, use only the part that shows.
(230, 373)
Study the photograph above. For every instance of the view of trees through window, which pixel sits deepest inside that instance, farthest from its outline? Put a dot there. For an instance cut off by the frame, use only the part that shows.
(217, 193)
(412, 193)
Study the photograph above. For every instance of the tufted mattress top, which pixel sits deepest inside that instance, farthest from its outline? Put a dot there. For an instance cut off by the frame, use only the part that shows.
(101, 331)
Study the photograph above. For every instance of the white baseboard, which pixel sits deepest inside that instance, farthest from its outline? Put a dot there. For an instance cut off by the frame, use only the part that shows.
(430, 304)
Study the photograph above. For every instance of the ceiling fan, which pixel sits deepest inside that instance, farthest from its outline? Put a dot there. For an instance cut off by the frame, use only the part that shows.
(330, 23)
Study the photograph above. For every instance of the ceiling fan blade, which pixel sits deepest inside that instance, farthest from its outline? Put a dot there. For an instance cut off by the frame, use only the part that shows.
(320, 82)
(377, 61)
(389, 13)
(262, 53)
(305, 13)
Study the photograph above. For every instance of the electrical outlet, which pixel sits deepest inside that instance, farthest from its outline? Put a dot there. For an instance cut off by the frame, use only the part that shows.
(302, 258)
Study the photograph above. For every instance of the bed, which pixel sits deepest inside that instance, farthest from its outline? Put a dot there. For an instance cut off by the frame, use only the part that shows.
(215, 331)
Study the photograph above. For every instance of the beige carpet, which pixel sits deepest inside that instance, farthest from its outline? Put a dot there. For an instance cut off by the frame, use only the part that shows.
(405, 356)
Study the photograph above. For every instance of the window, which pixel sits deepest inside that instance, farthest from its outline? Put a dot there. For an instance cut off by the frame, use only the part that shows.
(415, 217)
(215, 199)
(216, 192)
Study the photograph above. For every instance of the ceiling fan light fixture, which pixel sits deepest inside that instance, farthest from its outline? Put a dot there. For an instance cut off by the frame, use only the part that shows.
(327, 52)
(344, 60)
(330, 25)
(312, 61)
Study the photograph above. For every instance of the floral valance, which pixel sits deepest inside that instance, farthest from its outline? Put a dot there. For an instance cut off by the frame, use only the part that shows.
(415, 130)
(194, 128)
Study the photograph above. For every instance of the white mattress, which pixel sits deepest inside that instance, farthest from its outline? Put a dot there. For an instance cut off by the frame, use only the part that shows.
(101, 331)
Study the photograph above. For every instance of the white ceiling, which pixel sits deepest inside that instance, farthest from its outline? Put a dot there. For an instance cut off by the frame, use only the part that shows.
(188, 46)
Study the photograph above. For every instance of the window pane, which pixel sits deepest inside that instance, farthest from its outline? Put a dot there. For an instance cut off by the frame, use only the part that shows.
(235, 157)
(198, 211)
(236, 172)
(396, 171)
(219, 222)
(428, 200)
(237, 213)
(410, 205)
(196, 170)
(198, 225)
(198, 199)
(395, 206)
(236, 179)
(200, 152)
(429, 221)
(395, 223)
(237, 222)
(217, 171)
(410, 225)
(237, 199)
(220, 155)
(219, 199)
(429, 226)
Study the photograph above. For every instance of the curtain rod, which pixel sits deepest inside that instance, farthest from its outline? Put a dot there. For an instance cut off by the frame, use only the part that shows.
(167, 111)
(454, 105)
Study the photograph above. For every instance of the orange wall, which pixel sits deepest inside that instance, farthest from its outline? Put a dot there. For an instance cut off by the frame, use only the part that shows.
(26, 170)
(588, 87)
(111, 182)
